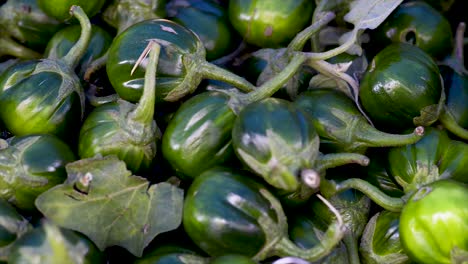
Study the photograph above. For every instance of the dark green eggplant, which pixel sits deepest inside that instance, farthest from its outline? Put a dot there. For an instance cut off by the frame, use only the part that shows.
(24, 21)
(455, 75)
(417, 23)
(182, 62)
(62, 41)
(171, 254)
(46, 96)
(227, 212)
(402, 88)
(354, 208)
(342, 127)
(306, 231)
(49, 244)
(435, 157)
(12, 226)
(209, 21)
(124, 129)
(122, 14)
(30, 165)
(380, 242)
(278, 142)
(199, 134)
(176, 254)
(377, 173)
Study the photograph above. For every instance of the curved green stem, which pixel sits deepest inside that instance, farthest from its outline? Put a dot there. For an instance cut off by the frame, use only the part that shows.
(211, 71)
(299, 41)
(10, 47)
(447, 120)
(374, 193)
(369, 136)
(101, 100)
(274, 84)
(351, 248)
(144, 112)
(319, 56)
(333, 236)
(338, 159)
(78, 50)
(95, 65)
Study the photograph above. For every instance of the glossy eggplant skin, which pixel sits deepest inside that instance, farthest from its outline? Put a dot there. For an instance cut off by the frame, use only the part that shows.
(49, 244)
(209, 21)
(419, 24)
(456, 89)
(30, 165)
(276, 140)
(270, 23)
(62, 41)
(41, 96)
(402, 88)
(434, 157)
(215, 215)
(176, 42)
(425, 235)
(380, 242)
(59, 9)
(198, 136)
(102, 133)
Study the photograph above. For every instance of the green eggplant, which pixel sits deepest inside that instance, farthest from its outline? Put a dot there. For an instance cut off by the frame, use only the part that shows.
(58, 9)
(176, 254)
(270, 23)
(171, 253)
(62, 41)
(306, 231)
(263, 64)
(402, 88)
(45, 96)
(25, 22)
(227, 212)
(199, 134)
(278, 141)
(182, 62)
(417, 23)
(12, 226)
(380, 242)
(342, 127)
(377, 173)
(124, 129)
(354, 208)
(455, 75)
(48, 244)
(209, 21)
(30, 165)
(433, 225)
(121, 14)
(435, 157)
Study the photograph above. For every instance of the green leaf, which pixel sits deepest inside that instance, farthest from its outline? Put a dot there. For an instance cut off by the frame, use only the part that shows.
(369, 14)
(102, 200)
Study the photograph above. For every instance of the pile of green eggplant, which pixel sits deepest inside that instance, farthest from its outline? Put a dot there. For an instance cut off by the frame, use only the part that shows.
(233, 132)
